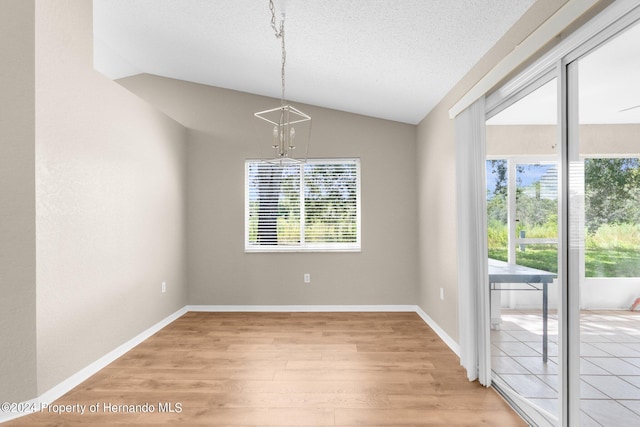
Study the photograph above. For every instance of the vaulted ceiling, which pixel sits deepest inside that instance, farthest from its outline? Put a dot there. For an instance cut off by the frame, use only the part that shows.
(392, 59)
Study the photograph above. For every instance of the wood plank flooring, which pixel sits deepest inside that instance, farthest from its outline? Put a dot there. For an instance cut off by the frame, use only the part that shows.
(284, 369)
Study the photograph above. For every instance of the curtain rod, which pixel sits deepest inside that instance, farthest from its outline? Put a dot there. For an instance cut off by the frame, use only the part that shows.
(553, 26)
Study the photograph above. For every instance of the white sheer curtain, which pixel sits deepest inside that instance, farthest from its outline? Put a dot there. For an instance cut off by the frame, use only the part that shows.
(473, 287)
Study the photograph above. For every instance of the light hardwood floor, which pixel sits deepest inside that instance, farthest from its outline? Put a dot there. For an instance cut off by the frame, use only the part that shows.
(285, 369)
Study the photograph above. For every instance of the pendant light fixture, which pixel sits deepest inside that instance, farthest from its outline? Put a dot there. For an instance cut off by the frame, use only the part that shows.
(284, 117)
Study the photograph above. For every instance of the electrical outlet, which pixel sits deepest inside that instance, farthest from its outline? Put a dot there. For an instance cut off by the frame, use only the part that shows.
(164, 287)
(442, 294)
(307, 278)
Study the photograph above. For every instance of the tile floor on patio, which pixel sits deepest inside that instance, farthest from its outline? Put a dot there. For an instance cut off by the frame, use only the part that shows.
(609, 363)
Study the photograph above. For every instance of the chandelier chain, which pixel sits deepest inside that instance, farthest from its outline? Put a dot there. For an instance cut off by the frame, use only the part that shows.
(284, 117)
(279, 32)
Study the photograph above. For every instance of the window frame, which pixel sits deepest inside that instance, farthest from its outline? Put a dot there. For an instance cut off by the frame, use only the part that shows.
(305, 246)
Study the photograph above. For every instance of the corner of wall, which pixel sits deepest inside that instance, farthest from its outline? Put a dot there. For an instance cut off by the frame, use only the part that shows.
(17, 202)
(110, 193)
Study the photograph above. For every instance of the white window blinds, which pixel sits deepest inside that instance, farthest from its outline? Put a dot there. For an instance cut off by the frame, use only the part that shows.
(312, 206)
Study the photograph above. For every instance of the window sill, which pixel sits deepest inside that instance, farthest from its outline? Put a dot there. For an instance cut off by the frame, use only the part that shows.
(285, 249)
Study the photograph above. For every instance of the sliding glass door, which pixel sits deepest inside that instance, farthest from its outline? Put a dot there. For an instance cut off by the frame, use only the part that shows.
(604, 228)
(522, 231)
(563, 229)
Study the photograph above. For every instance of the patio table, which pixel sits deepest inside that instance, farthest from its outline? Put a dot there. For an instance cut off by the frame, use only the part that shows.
(529, 279)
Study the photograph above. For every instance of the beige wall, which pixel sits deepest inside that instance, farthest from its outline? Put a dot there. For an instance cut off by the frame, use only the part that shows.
(522, 140)
(110, 202)
(17, 202)
(610, 140)
(437, 221)
(225, 134)
(596, 140)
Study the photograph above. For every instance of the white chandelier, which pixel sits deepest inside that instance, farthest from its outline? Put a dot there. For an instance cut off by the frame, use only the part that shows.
(285, 116)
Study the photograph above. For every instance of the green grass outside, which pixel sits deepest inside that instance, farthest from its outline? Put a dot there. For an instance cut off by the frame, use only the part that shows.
(613, 250)
(289, 231)
(615, 262)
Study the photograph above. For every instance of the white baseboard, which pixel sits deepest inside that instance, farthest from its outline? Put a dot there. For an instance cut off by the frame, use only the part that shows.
(450, 342)
(74, 380)
(301, 308)
(65, 386)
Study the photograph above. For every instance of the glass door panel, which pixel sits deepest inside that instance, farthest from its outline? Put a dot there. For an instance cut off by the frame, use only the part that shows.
(522, 213)
(536, 227)
(604, 229)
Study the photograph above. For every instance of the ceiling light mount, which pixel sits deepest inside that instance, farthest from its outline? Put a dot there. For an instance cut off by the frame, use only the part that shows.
(285, 116)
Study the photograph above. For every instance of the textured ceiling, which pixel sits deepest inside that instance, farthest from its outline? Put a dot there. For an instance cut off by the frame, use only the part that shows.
(393, 59)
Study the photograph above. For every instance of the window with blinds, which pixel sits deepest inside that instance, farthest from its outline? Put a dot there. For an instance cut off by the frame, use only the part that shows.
(312, 206)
